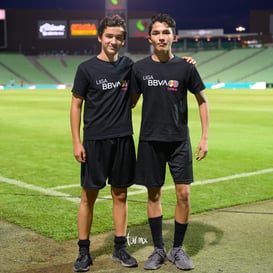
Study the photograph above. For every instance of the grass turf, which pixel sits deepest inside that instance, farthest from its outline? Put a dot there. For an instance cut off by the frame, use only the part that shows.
(36, 148)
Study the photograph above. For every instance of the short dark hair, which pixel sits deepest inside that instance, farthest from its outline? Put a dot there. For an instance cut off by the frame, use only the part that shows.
(163, 18)
(112, 21)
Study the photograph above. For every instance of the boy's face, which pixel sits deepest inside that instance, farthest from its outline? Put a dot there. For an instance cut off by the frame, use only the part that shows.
(112, 40)
(161, 36)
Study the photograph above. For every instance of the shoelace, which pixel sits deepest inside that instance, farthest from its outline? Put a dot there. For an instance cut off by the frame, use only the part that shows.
(156, 252)
(179, 256)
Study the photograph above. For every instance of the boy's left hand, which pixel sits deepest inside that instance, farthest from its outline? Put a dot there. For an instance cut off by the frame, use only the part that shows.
(189, 59)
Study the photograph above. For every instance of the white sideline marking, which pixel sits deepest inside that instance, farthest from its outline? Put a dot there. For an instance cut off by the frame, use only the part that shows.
(77, 185)
(225, 178)
(76, 199)
(39, 189)
(65, 186)
(203, 182)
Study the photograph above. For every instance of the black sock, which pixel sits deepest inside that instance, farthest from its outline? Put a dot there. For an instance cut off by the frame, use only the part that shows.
(120, 242)
(156, 230)
(84, 245)
(179, 234)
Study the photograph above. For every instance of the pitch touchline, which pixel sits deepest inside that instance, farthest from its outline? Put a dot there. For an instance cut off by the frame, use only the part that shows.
(231, 177)
(38, 189)
(204, 182)
(69, 197)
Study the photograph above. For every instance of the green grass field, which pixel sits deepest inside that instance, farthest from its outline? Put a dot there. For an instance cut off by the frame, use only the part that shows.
(39, 177)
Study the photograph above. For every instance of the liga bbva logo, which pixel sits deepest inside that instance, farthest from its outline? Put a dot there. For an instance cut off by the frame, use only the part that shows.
(172, 85)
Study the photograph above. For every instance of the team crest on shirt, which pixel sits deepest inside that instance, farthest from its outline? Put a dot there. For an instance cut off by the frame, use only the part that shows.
(172, 85)
(124, 85)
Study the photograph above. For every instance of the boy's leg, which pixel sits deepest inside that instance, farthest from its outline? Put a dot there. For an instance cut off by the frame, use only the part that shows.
(182, 213)
(120, 216)
(154, 210)
(85, 218)
(182, 209)
(120, 210)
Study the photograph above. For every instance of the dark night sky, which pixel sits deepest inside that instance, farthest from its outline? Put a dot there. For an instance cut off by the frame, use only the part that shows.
(188, 14)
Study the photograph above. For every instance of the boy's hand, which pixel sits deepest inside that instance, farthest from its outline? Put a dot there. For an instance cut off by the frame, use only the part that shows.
(189, 59)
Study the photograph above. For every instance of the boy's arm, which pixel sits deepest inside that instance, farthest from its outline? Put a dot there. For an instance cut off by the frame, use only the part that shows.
(75, 124)
(134, 99)
(202, 148)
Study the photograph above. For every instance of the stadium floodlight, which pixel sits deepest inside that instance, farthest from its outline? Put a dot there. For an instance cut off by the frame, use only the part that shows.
(240, 29)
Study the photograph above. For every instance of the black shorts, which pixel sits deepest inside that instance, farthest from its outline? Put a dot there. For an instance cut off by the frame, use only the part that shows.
(152, 158)
(111, 160)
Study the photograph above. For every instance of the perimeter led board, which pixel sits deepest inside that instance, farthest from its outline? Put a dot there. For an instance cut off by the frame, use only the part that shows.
(3, 34)
(83, 28)
(138, 27)
(2, 14)
(115, 4)
(52, 29)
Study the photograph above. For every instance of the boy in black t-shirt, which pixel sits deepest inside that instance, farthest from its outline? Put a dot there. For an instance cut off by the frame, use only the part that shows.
(164, 79)
(107, 151)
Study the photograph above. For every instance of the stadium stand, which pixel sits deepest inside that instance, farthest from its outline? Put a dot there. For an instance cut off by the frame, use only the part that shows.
(236, 65)
(239, 65)
(63, 68)
(5, 75)
(256, 68)
(203, 57)
(20, 68)
(211, 69)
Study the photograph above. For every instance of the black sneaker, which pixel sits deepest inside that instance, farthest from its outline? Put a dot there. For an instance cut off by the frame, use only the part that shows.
(83, 262)
(124, 258)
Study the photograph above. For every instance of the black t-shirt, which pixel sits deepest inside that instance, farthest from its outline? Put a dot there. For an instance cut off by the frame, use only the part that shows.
(104, 87)
(164, 87)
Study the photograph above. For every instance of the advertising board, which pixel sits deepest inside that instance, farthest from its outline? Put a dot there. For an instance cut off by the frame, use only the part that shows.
(52, 29)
